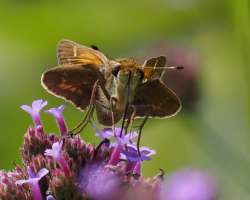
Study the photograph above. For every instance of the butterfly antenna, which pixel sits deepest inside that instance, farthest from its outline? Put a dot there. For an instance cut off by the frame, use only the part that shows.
(179, 67)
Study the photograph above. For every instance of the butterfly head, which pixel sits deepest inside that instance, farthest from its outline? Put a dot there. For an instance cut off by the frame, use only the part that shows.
(127, 72)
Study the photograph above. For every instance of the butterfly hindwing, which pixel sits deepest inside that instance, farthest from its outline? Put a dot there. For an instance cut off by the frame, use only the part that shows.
(103, 108)
(155, 99)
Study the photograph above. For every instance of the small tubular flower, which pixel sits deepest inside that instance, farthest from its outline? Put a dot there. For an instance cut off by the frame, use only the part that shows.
(56, 154)
(33, 181)
(121, 141)
(134, 158)
(57, 113)
(131, 153)
(50, 197)
(34, 110)
(107, 133)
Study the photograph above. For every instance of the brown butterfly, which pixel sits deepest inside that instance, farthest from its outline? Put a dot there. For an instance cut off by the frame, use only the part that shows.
(86, 77)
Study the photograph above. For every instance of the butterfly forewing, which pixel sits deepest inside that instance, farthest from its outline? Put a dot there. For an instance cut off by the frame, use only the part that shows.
(73, 83)
(69, 52)
(154, 99)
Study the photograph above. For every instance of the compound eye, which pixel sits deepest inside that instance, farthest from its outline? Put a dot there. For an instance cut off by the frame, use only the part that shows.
(141, 75)
(116, 70)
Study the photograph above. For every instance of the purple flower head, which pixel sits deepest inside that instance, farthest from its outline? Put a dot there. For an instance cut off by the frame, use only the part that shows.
(57, 113)
(56, 153)
(33, 181)
(189, 184)
(131, 153)
(34, 110)
(98, 182)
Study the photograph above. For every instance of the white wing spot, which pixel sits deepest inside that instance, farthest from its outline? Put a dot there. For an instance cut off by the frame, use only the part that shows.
(75, 51)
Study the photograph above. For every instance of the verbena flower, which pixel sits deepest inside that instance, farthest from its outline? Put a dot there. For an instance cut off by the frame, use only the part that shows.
(33, 181)
(34, 110)
(120, 141)
(57, 113)
(50, 197)
(56, 153)
(68, 168)
(107, 133)
(132, 154)
(136, 158)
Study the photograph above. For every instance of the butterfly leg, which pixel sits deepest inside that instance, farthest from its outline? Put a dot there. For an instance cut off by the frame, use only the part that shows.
(139, 135)
(130, 118)
(78, 129)
(112, 104)
(124, 118)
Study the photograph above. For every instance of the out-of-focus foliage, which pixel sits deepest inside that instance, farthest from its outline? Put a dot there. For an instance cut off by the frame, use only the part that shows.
(213, 134)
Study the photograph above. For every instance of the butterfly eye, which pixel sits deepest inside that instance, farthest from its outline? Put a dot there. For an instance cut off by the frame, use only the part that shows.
(115, 70)
(141, 75)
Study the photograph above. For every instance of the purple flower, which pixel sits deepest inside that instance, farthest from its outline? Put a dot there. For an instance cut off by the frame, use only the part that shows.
(98, 182)
(137, 168)
(107, 133)
(120, 143)
(189, 184)
(131, 153)
(33, 181)
(57, 113)
(56, 153)
(115, 156)
(135, 159)
(50, 197)
(34, 110)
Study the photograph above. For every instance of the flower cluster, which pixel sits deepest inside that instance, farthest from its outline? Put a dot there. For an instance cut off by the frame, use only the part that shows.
(65, 167)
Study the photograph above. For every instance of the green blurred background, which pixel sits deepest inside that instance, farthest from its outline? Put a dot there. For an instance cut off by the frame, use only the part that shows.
(212, 134)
